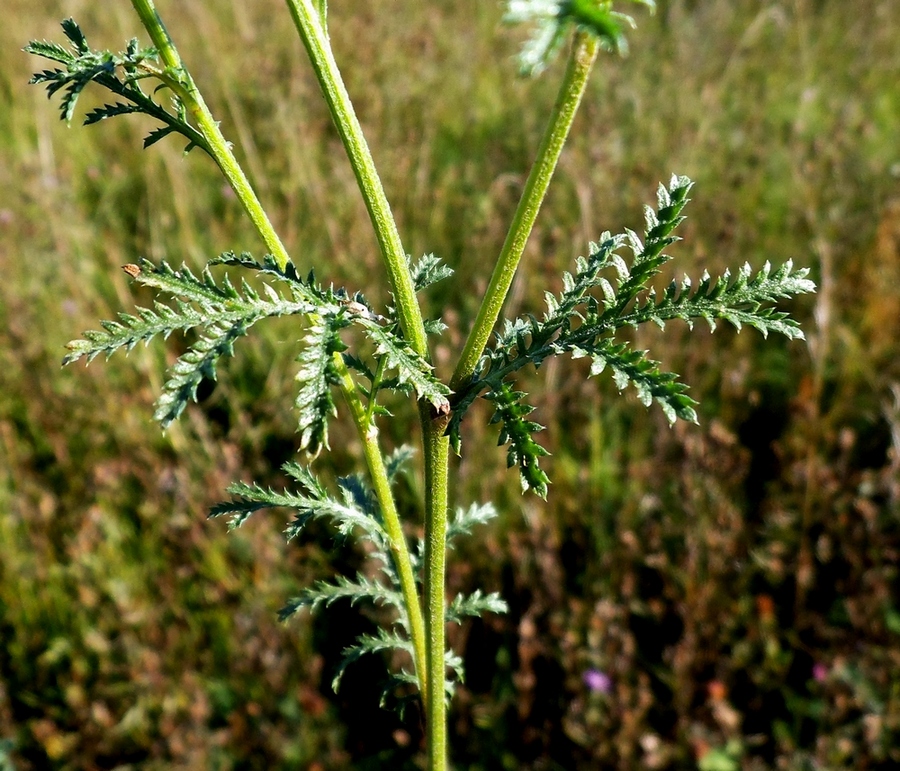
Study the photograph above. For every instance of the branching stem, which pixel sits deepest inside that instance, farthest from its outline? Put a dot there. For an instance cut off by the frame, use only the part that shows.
(581, 60)
(315, 39)
(193, 100)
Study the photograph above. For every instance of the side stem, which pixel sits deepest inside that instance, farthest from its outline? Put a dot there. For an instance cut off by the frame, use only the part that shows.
(368, 434)
(209, 127)
(226, 161)
(315, 39)
(581, 60)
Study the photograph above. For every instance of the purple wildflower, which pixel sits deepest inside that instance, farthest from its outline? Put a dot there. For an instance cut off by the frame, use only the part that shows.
(597, 681)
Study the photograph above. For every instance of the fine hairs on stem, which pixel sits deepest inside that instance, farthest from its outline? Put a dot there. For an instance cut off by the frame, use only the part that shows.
(608, 291)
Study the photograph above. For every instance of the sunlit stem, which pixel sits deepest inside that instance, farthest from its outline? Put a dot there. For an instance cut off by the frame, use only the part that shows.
(308, 21)
(437, 452)
(368, 433)
(207, 125)
(581, 60)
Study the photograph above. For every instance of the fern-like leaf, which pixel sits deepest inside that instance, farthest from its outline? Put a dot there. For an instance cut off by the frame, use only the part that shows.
(198, 363)
(317, 377)
(325, 593)
(248, 499)
(464, 520)
(398, 460)
(356, 513)
(326, 301)
(129, 330)
(383, 640)
(605, 294)
(411, 368)
(737, 302)
(429, 270)
(475, 605)
(523, 451)
(119, 73)
(634, 367)
(551, 20)
(313, 501)
(110, 111)
(222, 313)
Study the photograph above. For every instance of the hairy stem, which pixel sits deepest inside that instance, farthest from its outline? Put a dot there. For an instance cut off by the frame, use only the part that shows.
(209, 127)
(368, 434)
(311, 29)
(581, 60)
(437, 452)
(309, 25)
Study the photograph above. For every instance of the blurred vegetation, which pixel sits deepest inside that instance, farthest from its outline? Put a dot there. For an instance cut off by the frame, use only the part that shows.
(719, 597)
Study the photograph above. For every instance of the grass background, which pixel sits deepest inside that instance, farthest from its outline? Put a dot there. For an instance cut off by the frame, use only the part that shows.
(737, 581)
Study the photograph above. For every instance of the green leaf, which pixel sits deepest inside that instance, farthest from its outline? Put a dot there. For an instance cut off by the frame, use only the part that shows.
(132, 329)
(551, 20)
(605, 294)
(248, 499)
(325, 593)
(474, 605)
(434, 327)
(384, 640)
(317, 377)
(737, 301)
(352, 516)
(398, 460)
(221, 312)
(195, 365)
(119, 73)
(429, 270)
(411, 368)
(111, 111)
(74, 33)
(634, 367)
(523, 451)
(464, 520)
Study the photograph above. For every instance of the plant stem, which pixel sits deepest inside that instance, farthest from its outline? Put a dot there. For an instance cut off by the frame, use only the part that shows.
(226, 161)
(309, 25)
(209, 127)
(368, 434)
(312, 32)
(581, 60)
(437, 452)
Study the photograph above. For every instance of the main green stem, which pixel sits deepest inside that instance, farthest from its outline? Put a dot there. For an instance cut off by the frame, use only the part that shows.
(308, 21)
(581, 60)
(436, 445)
(437, 453)
(431, 669)
(584, 52)
(226, 161)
